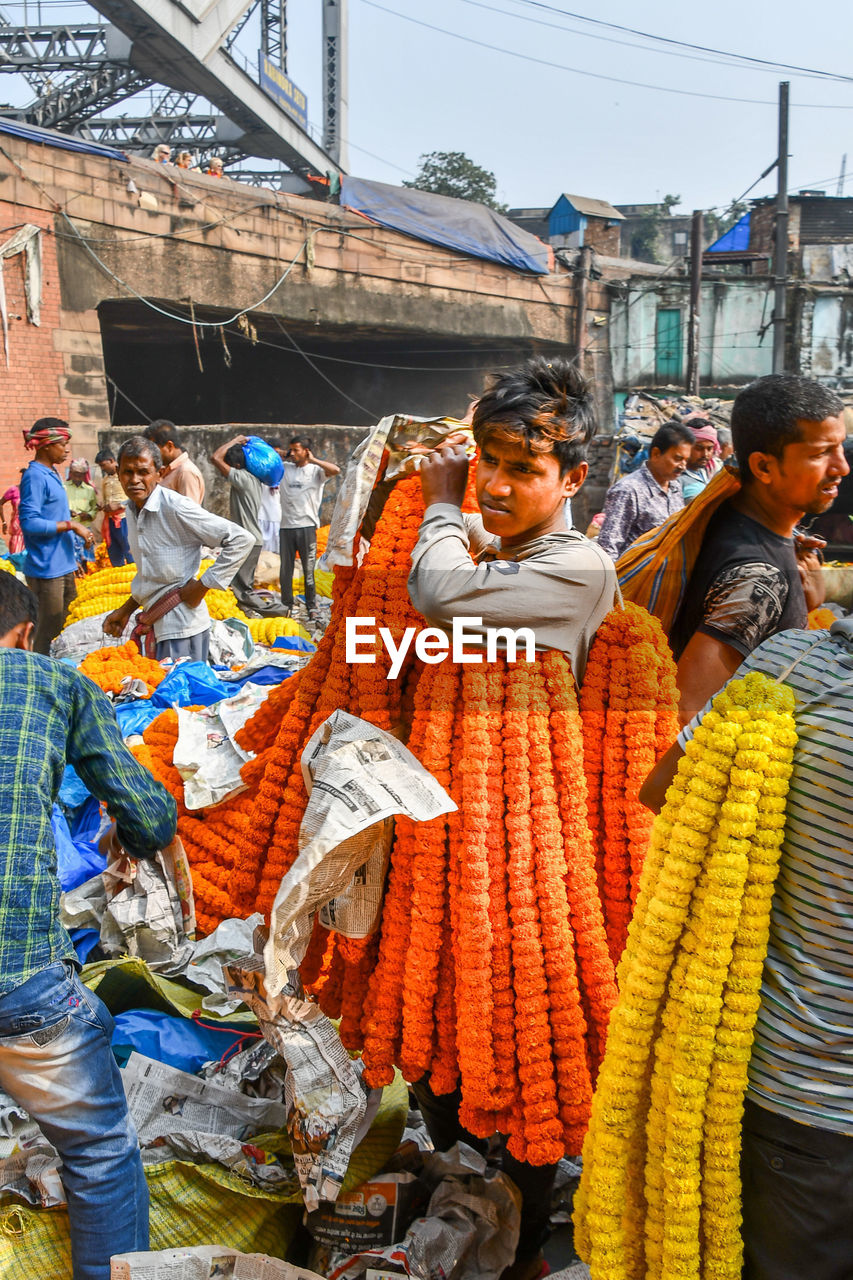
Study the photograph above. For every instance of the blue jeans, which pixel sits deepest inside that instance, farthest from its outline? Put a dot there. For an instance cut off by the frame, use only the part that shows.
(56, 1062)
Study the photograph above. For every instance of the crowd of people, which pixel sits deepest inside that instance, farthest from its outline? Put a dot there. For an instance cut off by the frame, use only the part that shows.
(519, 563)
(149, 505)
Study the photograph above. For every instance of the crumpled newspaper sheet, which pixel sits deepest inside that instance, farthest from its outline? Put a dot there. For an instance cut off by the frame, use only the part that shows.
(32, 1174)
(469, 1230)
(358, 777)
(327, 1104)
(404, 437)
(177, 1114)
(204, 1262)
(149, 908)
(207, 755)
(287, 659)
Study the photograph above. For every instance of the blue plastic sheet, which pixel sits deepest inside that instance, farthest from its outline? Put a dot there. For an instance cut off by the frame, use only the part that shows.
(191, 684)
(84, 942)
(134, 717)
(262, 675)
(456, 224)
(76, 861)
(72, 791)
(297, 643)
(180, 1042)
(263, 461)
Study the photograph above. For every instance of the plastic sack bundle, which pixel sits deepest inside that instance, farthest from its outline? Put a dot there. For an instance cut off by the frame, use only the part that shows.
(181, 1042)
(190, 684)
(76, 861)
(263, 461)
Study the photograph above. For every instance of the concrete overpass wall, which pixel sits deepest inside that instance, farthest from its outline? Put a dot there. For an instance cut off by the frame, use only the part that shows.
(358, 298)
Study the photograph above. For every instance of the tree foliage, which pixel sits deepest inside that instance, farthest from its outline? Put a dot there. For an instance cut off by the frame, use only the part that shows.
(452, 173)
(644, 239)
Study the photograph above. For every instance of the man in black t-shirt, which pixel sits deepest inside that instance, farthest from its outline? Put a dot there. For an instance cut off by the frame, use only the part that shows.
(788, 436)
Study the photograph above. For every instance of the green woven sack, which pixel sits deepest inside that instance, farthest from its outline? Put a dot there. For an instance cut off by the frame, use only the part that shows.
(198, 1204)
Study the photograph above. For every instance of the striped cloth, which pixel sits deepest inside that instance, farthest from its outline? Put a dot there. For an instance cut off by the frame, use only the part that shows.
(802, 1056)
(655, 570)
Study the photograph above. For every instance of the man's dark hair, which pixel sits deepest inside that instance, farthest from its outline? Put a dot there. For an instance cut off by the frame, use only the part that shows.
(104, 455)
(303, 440)
(766, 414)
(140, 447)
(544, 404)
(17, 603)
(162, 431)
(670, 435)
(50, 424)
(235, 457)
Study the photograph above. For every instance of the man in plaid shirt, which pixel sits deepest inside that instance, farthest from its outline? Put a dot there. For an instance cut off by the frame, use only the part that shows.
(55, 1056)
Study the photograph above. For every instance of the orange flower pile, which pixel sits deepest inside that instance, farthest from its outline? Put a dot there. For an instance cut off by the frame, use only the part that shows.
(629, 709)
(491, 967)
(821, 619)
(108, 668)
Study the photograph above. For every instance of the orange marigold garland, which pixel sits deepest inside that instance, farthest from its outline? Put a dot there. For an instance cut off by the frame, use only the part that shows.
(629, 711)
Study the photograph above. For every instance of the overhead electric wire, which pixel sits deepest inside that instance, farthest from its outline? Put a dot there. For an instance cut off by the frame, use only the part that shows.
(717, 58)
(766, 63)
(596, 75)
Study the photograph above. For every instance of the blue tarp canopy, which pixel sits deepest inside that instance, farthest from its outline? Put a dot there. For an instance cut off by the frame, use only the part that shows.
(736, 239)
(50, 138)
(455, 224)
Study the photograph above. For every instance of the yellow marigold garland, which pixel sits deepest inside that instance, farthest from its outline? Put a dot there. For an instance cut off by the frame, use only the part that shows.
(660, 1191)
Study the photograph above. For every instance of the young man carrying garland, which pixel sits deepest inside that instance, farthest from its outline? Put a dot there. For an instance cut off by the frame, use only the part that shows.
(528, 570)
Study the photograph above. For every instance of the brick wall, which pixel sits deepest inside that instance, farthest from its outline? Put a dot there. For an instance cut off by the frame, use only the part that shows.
(602, 238)
(32, 383)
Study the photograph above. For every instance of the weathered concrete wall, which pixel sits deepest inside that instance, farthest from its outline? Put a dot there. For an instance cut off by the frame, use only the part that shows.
(733, 348)
(207, 249)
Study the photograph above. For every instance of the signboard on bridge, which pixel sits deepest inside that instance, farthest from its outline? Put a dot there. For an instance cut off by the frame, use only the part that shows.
(282, 89)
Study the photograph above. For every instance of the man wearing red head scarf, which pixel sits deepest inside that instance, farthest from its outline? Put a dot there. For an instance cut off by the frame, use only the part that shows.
(48, 529)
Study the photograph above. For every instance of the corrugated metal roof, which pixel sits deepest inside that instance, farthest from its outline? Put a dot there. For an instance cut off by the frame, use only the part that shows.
(592, 208)
(52, 138)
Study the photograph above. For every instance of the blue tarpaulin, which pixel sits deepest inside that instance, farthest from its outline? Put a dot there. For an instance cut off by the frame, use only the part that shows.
(456, 224)
(181, 1042)
(736, 239)
(50, 138)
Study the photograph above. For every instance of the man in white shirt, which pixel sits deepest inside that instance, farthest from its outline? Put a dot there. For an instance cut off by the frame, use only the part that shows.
(166, 532)
(301, 494)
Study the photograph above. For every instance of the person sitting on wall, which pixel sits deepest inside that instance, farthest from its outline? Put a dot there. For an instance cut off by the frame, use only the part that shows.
(215, 167)
(167, 532)
(161, 153)
(179, 471)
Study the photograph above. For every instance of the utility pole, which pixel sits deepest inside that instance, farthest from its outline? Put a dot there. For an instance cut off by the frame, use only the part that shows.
(582, 273)
(695, 304)
(780, 258)
(842, 175)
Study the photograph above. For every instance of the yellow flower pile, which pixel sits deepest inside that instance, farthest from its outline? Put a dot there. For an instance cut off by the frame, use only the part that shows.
(323, 581)
(660, 1192)
(223, 604)
(101, 592)
(267, 630)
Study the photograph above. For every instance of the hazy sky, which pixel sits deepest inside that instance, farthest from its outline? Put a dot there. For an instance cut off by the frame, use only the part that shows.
(543, 130)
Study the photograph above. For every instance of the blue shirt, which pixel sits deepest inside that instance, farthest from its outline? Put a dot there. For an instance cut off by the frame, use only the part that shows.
(44, 503)
(50, 716)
